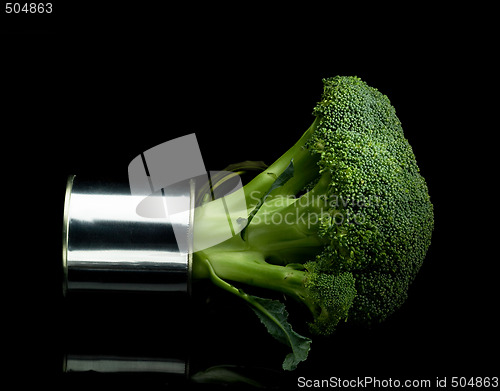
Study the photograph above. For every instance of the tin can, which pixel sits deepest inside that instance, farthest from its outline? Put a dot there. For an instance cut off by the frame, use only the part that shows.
(108, 245)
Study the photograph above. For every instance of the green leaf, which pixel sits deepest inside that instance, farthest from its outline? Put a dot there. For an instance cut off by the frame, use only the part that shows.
(274, 316)
(283, 178)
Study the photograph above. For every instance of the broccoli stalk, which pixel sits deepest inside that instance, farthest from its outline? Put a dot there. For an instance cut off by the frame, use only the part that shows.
(341, 222)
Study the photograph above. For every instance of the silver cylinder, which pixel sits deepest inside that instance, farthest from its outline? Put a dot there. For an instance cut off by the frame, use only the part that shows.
(108, 245)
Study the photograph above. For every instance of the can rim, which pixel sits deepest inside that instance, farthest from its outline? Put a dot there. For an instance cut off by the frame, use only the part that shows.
(65, 233)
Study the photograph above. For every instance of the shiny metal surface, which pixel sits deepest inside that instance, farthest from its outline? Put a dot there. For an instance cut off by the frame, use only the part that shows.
(107, 245)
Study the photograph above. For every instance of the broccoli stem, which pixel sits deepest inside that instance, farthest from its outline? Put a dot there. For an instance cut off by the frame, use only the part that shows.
(259, 261)
(211, 220)
(285, 230)
(249, 268)
(279, 234)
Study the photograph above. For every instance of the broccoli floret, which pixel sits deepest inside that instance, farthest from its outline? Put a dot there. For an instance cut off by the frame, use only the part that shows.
(341, 222)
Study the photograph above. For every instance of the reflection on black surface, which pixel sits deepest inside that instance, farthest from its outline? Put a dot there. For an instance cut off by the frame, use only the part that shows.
(224, 346)
(126, 338)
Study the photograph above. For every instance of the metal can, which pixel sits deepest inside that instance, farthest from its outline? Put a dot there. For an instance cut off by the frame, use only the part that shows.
(107, 245)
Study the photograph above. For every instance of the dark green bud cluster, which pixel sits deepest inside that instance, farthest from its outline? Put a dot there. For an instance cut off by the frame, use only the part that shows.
(332, 295)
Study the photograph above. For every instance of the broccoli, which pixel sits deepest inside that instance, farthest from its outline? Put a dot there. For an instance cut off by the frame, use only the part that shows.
(341, 222)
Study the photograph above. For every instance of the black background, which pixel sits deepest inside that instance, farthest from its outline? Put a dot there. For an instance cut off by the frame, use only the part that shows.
(90, 89)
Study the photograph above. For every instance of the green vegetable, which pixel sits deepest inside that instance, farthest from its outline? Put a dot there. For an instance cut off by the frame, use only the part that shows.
(341, 222)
